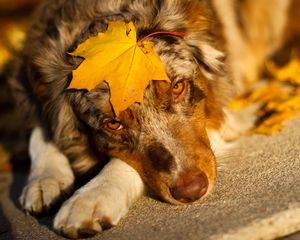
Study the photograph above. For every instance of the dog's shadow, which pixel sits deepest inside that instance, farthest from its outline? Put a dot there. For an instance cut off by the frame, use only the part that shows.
(5, 226)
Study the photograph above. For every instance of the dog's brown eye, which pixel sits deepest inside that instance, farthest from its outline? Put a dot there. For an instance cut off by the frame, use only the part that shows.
(113, 125)
(178, 90)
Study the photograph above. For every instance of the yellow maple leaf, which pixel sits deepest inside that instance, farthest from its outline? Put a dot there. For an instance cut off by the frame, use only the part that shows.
(116, 57)
(275, 123)
(269, 94)
(5, 56)
(268, 129)
(291, 104)
(5, 165)
(279, 98)
(290, 72)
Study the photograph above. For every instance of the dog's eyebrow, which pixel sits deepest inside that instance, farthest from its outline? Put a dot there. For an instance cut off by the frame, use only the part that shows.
(199, 58)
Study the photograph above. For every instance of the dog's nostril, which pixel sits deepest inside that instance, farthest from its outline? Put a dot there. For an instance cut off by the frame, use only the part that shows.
(190, 187)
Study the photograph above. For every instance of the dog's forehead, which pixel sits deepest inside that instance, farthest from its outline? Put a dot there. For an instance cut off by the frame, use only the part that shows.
(178, 59)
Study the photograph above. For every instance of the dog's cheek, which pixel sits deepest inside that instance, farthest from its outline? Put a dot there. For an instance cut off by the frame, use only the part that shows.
(156, 178)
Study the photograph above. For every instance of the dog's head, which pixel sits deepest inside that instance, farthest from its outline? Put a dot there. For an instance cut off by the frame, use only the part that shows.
(165, 138)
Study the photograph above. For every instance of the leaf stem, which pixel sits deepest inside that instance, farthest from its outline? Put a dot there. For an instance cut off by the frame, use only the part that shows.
(179, 34)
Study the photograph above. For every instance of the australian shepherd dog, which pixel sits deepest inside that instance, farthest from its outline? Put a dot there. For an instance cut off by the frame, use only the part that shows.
(163, 143)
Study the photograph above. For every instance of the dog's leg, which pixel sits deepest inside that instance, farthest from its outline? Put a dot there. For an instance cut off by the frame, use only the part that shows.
(50, 176)
(101, 203)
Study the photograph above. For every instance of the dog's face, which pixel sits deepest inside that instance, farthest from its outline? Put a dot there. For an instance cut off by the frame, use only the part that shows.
(164, 138)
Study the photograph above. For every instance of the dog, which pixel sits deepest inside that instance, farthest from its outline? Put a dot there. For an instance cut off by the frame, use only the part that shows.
(165, 143)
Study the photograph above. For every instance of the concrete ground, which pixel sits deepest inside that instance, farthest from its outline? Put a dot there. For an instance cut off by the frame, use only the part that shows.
(257, 196)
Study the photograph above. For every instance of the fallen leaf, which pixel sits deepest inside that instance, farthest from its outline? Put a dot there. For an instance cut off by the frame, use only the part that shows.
(15, 36)
(268, 130)
(290, 72)
(279, 98)
(116, 57)
(270, 93)
(292, 104)
(275, 123)
(5, 165)
(5, 56)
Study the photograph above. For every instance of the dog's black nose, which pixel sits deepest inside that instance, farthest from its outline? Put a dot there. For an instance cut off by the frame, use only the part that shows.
(190, 187)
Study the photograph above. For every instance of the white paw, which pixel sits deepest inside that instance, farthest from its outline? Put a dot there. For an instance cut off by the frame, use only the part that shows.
(89, 212)
(40, 194)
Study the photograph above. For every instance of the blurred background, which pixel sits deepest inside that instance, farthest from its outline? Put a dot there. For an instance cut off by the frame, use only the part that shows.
(15, 18)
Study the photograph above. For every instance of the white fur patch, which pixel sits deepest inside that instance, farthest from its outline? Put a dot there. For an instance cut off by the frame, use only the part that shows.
(102, 202)
(49, 177)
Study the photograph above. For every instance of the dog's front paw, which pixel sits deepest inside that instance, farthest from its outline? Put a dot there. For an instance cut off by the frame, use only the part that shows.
(42, 193)
(87, 213)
